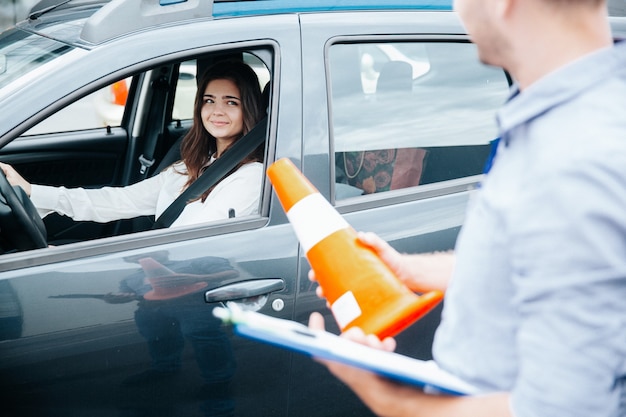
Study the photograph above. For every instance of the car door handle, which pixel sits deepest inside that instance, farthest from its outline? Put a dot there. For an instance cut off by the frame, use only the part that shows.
(244, 289)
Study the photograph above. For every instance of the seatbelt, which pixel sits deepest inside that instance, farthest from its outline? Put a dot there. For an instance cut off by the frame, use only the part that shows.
(156, 121)
(214, 173)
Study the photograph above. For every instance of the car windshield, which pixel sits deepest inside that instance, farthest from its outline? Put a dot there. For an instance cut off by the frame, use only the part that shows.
(22, 52)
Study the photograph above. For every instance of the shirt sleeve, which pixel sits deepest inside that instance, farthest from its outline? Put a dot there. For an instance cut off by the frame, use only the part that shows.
(240, 193)
(99, 205)
(570, 280)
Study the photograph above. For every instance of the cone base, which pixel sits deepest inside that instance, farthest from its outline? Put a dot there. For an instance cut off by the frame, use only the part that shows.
(392, 318)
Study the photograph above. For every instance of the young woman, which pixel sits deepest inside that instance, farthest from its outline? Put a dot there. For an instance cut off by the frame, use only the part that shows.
(228, 104)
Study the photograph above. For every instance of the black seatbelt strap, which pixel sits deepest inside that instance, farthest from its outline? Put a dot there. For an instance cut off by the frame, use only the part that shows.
(214, 173)
(156, 121)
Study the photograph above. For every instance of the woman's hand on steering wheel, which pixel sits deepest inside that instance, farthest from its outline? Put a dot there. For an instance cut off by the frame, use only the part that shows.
(15, 178)
(21, 226)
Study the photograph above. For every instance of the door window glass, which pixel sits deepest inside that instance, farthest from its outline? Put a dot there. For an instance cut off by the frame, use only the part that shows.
(406, 114)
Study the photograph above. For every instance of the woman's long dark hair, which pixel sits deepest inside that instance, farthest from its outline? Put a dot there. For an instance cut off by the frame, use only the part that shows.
(198, 145)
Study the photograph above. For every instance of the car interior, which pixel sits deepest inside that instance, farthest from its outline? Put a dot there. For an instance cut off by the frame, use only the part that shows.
(139, 141)
(403, 114)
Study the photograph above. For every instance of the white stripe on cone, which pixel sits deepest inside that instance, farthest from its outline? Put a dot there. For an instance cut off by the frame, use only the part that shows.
(327, 221)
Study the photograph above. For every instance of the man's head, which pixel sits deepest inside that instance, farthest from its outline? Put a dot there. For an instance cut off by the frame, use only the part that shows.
(486, 27)
(532, 37)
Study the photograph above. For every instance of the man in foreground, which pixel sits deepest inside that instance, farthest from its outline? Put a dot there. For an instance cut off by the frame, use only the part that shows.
(534, 313)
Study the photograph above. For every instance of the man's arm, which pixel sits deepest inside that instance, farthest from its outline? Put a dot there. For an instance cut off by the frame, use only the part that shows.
(420, 272)
(389, 399)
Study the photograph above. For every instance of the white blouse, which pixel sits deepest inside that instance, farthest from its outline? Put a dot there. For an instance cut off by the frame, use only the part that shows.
(240, 191)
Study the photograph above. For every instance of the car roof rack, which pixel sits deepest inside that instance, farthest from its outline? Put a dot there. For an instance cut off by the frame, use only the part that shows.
(118, 17)
(124, 16)
(234, 8)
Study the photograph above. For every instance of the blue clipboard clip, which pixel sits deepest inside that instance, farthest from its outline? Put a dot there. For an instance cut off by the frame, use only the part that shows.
(324, 345)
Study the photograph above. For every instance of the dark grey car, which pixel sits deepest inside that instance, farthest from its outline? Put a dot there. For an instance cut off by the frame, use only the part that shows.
(386, 109)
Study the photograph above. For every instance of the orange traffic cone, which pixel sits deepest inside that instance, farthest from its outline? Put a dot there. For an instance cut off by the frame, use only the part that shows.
(361, 290)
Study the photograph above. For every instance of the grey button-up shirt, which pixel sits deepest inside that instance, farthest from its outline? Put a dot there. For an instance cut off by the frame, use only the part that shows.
(537, 303)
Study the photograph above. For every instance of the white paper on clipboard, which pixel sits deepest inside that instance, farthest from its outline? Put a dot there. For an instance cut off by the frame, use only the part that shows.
(320, 344)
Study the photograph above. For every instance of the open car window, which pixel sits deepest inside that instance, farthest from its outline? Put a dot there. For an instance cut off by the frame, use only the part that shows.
(98, 140)
(106, 106)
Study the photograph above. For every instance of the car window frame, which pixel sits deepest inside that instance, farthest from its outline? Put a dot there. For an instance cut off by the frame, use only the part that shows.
(399, 196)
(144, 239)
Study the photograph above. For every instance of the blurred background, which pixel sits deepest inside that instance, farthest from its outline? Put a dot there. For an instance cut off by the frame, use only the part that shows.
(12, 11)
(617, 7)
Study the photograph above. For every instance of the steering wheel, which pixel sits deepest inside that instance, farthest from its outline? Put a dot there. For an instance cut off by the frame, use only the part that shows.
(21, 226)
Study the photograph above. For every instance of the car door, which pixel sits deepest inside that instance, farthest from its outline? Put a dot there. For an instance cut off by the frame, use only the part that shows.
(396, 133)
(120, 325)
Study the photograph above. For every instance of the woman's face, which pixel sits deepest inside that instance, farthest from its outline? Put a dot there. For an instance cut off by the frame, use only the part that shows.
(222, 115)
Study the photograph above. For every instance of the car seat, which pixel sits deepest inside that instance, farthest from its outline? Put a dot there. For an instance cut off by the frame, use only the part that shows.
(395, 168)
(396, 77)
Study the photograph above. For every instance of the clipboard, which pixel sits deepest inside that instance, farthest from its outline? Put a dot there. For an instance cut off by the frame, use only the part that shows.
(324, 345)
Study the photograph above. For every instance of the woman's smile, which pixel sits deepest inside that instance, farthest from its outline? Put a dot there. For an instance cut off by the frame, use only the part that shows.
(222, 113)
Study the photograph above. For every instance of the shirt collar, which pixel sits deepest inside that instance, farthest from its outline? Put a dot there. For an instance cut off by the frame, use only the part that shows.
(560, 86)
